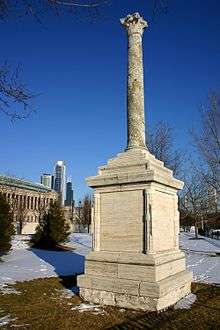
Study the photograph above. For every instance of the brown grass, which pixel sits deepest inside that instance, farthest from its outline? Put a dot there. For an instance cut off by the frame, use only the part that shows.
(41, 306)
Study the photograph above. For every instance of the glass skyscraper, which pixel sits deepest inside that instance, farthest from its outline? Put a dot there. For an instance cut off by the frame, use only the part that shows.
(69, 194)
(60, 180)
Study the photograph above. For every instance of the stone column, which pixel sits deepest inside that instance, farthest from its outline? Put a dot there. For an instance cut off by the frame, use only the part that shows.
(135, 25)
(136, 262)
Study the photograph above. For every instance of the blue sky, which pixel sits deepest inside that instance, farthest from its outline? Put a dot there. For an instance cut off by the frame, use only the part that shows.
(79, 70)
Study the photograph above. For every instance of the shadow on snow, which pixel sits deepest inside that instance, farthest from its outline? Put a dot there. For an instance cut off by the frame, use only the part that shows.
(66, 264)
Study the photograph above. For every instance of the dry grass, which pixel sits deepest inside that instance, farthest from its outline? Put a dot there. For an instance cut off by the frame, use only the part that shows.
(40, 305)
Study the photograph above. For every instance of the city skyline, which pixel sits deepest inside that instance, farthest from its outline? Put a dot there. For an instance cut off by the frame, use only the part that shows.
(59, 181)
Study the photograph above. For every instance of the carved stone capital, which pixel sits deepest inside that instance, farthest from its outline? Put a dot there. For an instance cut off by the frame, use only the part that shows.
(134, 23)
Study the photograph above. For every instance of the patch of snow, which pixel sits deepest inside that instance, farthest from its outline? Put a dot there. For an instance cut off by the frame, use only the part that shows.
(20, 242)
(66, 293)
(82, 239)
(5, 289)
(6, 320)
(95, 309)
(18, 325)
(186, 302)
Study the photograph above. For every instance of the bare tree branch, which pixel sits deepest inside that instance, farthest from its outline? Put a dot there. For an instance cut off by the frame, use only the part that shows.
(160, 144)
(77, 4)
(207, 141)
(197, 199)
(13, 93)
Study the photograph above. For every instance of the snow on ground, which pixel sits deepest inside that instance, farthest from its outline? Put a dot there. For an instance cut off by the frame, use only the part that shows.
(95, 309)
(201, 259)
(66, 293)
(6, 320)
(186, 302)
(200, 245)
(20, 242)
(24, 263)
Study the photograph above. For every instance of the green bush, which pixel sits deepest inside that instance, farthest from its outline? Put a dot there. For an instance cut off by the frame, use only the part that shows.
(52, 229)
(6, 225)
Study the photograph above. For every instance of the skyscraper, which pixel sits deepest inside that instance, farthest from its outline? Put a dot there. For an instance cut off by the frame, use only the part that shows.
(47, 180)
(69, 194)
(60, 180)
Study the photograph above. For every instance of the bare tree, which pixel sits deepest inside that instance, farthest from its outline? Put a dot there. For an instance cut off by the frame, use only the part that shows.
(21, 213)
(17, 206)
(196, 200)
(207, 141)
(42, 206)
(160, 142)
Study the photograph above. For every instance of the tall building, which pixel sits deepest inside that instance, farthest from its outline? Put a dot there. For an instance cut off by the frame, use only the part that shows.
(60, 180)
(47, 180)
(69, 194)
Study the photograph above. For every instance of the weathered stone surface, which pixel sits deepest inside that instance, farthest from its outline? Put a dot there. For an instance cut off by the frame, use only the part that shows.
(172, 297)
(135, 25)
(134, 272)
(137, 302)
(161, 288)
(136, 262)
(109, 284)
(101, 268)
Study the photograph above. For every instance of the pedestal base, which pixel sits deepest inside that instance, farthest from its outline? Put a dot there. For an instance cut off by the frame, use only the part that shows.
(146, 283)
(136, 262)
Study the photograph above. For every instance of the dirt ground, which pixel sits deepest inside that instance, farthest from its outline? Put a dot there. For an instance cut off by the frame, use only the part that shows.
(44, 304)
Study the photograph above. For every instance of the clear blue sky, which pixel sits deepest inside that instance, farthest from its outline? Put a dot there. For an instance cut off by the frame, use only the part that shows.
(80, 70)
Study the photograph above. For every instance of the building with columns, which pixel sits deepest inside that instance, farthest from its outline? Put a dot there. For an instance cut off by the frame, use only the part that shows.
(27, 200)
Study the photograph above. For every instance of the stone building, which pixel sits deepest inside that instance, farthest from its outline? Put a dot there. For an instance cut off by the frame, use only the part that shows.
(27, 200)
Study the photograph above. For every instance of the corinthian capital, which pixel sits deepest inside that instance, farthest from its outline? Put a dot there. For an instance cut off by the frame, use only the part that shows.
(134, 23)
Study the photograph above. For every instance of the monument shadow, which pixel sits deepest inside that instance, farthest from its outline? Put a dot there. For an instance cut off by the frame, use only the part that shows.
(74, 265)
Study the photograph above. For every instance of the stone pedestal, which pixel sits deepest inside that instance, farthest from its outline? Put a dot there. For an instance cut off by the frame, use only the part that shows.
(136, 262)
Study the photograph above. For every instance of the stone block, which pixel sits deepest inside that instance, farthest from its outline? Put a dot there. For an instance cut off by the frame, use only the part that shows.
(108, 284)
(173, 296)
(165, 286)
(169, 268)
(136, 272)
(101, 268)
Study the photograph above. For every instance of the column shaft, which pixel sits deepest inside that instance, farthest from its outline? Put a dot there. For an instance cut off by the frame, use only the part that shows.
(135, 93)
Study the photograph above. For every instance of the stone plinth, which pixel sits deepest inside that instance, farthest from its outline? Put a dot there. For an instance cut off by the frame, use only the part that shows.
(136, 262)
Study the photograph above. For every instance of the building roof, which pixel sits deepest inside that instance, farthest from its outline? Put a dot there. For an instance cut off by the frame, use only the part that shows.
(22, 184)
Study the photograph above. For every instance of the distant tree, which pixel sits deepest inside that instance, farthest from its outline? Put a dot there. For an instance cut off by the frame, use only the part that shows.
(21, 215)
(186, 220)
(207, 142)
(196, 200)
(160, 142)
(6, 225)
(17, 207)
(85, 214)
(52, 229)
